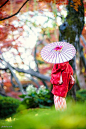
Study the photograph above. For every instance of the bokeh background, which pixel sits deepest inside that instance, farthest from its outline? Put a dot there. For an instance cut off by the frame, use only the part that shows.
(26, 26)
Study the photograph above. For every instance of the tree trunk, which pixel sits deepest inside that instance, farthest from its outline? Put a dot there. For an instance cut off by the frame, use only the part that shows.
(71, 30)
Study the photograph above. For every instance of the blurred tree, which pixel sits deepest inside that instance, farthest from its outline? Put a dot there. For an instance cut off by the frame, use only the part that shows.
(8, 9)
(71, 30)
(8, 44)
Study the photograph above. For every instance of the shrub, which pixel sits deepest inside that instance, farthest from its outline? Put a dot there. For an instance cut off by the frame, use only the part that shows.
(8, 106)
(37, 98)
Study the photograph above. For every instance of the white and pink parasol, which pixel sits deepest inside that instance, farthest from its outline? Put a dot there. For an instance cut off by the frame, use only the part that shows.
(58, 52)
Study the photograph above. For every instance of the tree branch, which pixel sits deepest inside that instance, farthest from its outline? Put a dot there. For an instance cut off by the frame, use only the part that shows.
(15, 13)
(33, 73)
(16, 79)
(35, 58)
(37, 66)
(35, 81)
(14, 75)
(4, 4)
(4, 68)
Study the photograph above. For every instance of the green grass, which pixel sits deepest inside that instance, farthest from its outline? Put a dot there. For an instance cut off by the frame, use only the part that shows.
(74, 117)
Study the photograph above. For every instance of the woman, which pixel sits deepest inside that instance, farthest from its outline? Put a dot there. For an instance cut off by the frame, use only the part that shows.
(62, 80)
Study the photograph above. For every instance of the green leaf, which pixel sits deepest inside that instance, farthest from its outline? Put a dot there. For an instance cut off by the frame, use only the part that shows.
(22, 96)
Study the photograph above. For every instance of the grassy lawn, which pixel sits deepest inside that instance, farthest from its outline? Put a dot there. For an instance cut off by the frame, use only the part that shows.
(74, 117)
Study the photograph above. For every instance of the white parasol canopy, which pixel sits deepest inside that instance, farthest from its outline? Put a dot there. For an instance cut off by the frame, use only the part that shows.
(58, 52)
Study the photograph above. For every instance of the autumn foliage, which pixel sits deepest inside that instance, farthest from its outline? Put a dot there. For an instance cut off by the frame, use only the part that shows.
(75, 4)
(13, 7)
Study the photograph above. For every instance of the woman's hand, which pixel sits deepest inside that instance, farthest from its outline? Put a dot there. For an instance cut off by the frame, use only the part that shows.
(72, 79)
(61, 81)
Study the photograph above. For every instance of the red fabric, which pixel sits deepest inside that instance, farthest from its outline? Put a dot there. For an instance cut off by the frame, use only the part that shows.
(66, 70)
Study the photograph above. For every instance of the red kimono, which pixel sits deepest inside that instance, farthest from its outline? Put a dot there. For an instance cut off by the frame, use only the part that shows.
(66, 70)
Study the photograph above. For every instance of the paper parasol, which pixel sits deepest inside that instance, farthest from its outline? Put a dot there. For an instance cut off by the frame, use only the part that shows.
(58, 52)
